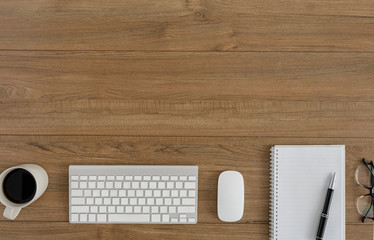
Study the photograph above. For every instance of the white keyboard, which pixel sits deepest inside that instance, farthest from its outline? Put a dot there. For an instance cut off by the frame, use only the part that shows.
(141, 194)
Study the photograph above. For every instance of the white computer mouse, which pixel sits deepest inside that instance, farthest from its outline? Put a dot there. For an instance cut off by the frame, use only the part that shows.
(230, 205)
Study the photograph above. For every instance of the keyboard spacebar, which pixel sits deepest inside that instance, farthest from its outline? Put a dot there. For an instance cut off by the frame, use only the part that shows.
(130, 218)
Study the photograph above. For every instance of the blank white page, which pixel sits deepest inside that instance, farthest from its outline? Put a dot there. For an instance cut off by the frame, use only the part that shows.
(303, 174)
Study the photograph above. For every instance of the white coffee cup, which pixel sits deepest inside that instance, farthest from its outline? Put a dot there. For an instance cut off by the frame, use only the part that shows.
(12, 209)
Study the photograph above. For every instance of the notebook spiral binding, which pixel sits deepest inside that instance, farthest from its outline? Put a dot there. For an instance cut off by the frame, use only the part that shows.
(273, 193)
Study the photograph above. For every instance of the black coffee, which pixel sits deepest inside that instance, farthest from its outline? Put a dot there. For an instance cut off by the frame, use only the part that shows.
(19, 186)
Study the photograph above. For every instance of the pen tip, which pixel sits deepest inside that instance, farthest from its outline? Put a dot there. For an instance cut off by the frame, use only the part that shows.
(332, 181)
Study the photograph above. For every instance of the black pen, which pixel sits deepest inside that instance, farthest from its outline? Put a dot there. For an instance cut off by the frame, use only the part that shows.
(326, 208)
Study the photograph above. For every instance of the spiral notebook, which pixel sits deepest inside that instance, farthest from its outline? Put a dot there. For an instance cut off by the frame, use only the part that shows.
(300, 177)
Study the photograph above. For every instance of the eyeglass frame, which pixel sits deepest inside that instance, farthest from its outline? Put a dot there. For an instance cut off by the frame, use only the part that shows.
(369, 188)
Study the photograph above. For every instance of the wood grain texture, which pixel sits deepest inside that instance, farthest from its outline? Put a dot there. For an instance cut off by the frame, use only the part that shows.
(188, 25)
(187, 94)
(212, 154)
(64, 230)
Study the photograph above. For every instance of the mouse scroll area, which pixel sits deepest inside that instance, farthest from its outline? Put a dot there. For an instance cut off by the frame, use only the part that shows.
(230, 196)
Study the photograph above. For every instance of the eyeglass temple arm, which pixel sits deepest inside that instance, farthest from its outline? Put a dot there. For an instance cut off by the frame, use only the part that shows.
(370, 169)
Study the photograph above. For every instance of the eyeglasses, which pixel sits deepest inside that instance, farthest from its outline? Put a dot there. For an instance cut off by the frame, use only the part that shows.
(365, 178)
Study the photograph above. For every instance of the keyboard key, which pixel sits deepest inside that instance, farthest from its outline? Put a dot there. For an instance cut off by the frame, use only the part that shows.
(83, 217)
(174, 193)
(120, 209)
(137, 209)
(191, 220)
(113, 193)
(183, 216)
(101, 178)
(126, 185)
(161, 185)
(89, 201)
(140, 193)
(74, 184)
(156, 178)
(83, 177)
(118, 185)
(101, 217)
(172, 209)
(115, 201)
(91, 184)
(163, 209)
(174, 178)
(92, 178)
(100, 185)
(111, 209)
(104, 193)
(137, 178)
(102, 209)
(166, 193)
(98, 201)
(167, 201)
(174, 219)
(190, 185)
(133, 201)
(150, 201)
(144, 185)
(178, 185)
(79, 209)
(76, 193)
(124, 201)
(147, 178)
(77, 201)
(87, 193)
(191, 193)
(141, 201)
(135, 185)
(95, 193)
(74, 177)
(192, 178)
(83, 185)
(110, 178)
(146, 209)
(128, 178)
(109, 184)
(182, 220)
(176, 201)
(128, 209)
(94, 209)
(188, 201)
(165, 178)
(170, 185)
(153, 185)
(165, 218)
(183, 178)
(91, 217)
(148, 193)
(154, 209)
(128, 218)
(107, 201)
(74, 217)
(120, 178)
(186, 209)
(183, 193)
(122, 193)
(159, 201)
(157, 193)
(156, 217)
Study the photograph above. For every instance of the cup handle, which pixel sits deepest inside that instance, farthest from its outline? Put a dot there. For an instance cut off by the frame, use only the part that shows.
(11, 212)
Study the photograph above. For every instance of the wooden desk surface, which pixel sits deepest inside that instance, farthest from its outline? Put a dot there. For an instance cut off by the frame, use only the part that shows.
(207, 82)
